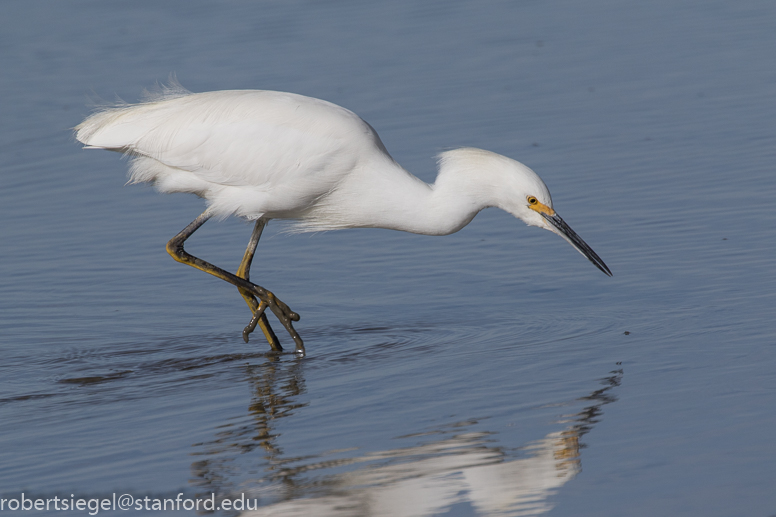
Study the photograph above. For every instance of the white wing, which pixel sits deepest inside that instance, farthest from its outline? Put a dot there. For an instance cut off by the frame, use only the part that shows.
(247, 152)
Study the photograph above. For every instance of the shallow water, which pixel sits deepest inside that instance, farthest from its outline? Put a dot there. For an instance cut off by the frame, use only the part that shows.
(490, 372)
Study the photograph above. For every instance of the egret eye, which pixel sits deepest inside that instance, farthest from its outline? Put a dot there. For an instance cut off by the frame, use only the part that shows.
(532, 200)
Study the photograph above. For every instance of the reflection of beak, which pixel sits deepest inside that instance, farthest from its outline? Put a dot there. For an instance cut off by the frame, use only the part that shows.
(575, 240)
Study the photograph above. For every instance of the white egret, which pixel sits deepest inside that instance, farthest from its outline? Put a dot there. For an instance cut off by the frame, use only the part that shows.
(267, 155)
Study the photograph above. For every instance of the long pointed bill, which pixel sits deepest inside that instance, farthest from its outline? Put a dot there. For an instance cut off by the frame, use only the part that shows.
(575, 240)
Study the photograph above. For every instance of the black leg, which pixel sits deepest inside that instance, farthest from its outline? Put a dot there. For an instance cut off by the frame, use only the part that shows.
(257, 308)
(283, 313)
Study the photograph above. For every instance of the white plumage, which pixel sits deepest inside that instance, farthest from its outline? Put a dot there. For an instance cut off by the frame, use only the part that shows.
(271, 155)
(285, 156)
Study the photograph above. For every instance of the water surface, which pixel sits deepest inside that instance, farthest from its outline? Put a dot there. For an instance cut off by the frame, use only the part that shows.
(490, 372)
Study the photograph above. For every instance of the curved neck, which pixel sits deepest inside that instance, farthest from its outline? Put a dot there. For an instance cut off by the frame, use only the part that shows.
(401, 201)
(384, 195)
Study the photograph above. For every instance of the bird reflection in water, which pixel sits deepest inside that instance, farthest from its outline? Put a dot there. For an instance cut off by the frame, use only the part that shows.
(459, 466)
(275, 385)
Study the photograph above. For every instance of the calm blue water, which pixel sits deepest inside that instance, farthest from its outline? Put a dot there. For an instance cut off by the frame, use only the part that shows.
(491, 372)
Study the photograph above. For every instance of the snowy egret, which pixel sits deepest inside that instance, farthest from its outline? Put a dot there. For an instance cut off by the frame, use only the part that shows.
(267, 155)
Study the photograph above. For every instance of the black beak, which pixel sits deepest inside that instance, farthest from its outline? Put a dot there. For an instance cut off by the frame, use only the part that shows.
(575, 240)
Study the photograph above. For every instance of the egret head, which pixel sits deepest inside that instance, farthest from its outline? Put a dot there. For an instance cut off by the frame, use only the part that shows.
(533, 205)
(517, 189)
